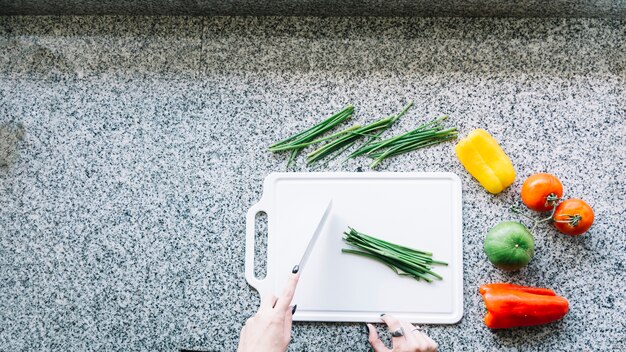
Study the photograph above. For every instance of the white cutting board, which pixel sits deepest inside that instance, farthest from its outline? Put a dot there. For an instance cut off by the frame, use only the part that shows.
(419, 210)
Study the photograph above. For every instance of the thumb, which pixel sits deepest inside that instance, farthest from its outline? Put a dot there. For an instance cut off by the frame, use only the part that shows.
(373, 339)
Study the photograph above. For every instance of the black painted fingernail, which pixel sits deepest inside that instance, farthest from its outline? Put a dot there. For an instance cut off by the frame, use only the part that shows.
(367, 329)
(295, 269)
(382, 315)
(293, 310)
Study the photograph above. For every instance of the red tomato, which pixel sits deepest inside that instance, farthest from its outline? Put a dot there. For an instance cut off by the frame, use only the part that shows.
(540, 192)
(573, 217)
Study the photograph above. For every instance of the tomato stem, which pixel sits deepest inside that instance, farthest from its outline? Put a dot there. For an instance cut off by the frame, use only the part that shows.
(552, 199)
(536, 222)
(573, 220)
(518, 211)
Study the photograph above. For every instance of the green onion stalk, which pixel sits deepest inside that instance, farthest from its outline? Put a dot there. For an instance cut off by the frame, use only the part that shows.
(425, 135)
(345, 139)
(402, 260)
(299, 141)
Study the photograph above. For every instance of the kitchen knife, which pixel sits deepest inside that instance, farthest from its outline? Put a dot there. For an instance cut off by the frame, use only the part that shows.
(316, 235)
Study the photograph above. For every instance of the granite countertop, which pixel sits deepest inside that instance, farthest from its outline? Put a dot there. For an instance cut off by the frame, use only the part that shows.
(132, 147)
(442, 8)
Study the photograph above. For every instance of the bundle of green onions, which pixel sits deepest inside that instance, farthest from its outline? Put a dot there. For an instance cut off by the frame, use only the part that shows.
(299, 141)
(345, 139)
(402, 260)
(425, 135)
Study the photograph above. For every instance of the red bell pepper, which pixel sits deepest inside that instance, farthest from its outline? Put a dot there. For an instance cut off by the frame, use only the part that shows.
(511, 305)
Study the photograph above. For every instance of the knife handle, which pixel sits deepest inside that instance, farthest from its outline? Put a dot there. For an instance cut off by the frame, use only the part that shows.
(257, 284)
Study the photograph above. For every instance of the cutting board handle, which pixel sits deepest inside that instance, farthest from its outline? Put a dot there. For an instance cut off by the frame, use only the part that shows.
(257, 284)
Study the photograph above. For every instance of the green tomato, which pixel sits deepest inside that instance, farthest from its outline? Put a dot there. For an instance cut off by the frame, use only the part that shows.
(509, 245)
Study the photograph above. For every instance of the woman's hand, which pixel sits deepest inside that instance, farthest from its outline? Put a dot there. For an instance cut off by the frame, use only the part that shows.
(269, 330)
(405, 337)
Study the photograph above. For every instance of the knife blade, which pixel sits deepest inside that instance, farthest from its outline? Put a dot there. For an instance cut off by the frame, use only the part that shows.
(316, 234)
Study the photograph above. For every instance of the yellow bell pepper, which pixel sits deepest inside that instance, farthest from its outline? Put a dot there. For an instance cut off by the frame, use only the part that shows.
(483, 158)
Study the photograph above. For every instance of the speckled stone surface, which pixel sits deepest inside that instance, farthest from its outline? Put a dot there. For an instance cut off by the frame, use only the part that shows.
(451, 8)
(142, 144)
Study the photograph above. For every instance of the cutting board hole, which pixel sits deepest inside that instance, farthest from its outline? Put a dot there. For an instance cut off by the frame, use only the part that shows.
(260, 245)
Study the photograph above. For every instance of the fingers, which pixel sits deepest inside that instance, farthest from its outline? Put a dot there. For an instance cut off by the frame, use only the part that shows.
(412, 340)
(268, 301)
(409, 332)
(285, 298)
(413, 337)
(377, 344)
(289, 321)
(394, 324)
(422, 342)
(432, 346)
